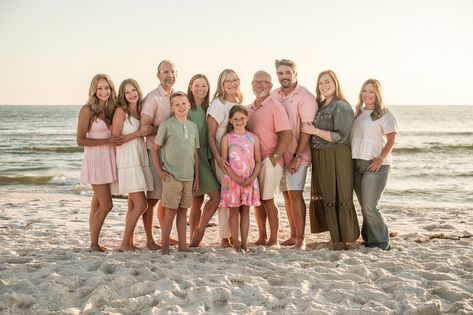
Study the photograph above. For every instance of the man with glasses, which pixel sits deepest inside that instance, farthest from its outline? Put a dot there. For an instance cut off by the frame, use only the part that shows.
(156, 109)
(301, 107)
(269, 121)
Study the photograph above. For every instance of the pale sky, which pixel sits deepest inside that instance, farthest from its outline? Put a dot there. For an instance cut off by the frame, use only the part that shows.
(420, 50)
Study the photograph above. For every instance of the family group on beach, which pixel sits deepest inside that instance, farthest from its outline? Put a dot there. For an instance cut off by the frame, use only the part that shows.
(176, 147)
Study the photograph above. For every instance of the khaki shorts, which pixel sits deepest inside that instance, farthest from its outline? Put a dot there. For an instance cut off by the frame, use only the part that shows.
(269, 179)
(292, 182)
(158, 186)
(176, 194)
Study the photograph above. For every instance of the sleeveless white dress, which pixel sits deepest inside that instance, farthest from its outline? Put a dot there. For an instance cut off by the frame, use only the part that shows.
(134, 172)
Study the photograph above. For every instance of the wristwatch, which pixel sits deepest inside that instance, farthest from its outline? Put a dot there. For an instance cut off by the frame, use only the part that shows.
(297, 155)
(276, 156)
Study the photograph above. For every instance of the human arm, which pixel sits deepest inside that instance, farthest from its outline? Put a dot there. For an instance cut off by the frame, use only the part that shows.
(156, 160)
(196, 171)
(388, 147)
(224, 154)
(83, 127)
(295, 162)
(285, 137)
(147, 121)
(117, 127)
(212, 127)
(257, 157)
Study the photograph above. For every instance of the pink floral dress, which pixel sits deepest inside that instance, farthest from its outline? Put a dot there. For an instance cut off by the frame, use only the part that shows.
(241, 157)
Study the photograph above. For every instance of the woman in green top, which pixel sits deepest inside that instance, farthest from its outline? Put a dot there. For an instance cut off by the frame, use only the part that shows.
(198, 93)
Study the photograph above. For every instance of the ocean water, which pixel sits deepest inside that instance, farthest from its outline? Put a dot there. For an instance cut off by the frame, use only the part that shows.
(433, 163)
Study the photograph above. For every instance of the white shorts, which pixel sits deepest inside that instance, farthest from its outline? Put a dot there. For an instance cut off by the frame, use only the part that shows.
(296, 181)
(269, 179)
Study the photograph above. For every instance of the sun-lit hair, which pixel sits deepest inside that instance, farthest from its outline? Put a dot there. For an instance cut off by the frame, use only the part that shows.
(190, 95)
(286, 62)
(220, 92)
(236, 109)
(169, 62)
(176, 94)
(338, 95)
(123, 103)
(94, 103)
(379, 107)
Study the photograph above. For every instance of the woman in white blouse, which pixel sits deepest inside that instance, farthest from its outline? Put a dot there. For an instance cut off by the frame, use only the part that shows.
(372, 139)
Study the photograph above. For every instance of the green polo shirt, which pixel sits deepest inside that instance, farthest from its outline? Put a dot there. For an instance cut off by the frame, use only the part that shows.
(178, 142)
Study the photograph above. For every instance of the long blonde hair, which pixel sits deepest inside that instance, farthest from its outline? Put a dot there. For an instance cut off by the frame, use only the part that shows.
(94, 103)
(379, 107)
(123, 103)
(338, 90)
(220, 92)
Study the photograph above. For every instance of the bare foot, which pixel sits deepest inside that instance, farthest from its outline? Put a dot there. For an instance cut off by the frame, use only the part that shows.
(260, 241)
(340, 246)
(126, 248)
(153, 246)
(165, 250)
(273, 244)
(244, 248)
(184, 249)
(225, 243)
(97, 248)
(195, 242)
(300, 245)
(289, 242)
(173, 242)
(237, 246)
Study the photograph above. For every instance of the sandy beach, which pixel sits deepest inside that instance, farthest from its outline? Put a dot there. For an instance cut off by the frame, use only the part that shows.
(45, 267)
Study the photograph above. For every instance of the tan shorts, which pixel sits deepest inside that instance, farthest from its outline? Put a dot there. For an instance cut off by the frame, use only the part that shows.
(176, 194)
(269, 178)
(158, 186)
(292, 182)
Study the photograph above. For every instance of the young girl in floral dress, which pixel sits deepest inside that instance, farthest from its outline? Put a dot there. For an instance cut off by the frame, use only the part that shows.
(240, 189)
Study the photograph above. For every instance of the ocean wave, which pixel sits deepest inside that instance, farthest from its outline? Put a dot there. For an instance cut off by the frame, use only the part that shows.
(57, 179)
(55, 149)
(449, 148)
(434, 133)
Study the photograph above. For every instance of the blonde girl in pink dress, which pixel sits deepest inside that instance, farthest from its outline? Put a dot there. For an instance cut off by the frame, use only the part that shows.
(98, 167)
(240, 189)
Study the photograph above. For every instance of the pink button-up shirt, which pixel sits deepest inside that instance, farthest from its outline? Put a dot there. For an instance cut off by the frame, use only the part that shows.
(157, 106)
(266, 121)
(301, 107)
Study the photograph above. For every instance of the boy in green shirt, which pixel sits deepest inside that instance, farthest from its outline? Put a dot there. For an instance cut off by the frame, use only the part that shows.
(174, 155)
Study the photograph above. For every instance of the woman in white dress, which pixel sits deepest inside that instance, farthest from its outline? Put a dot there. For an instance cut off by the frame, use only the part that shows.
(134, 172)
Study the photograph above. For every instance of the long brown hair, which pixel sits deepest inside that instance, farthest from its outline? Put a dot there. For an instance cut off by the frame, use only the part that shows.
(338, 91)
(190, 95)
(94, 103)
(379, 107)
(123, 103)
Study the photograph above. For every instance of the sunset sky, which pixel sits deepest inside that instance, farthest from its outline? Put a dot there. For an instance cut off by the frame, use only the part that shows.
(421, 51)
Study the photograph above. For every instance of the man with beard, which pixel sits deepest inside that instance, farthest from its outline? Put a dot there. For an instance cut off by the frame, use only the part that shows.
(301, 107)
(268, 120)
(156, 109)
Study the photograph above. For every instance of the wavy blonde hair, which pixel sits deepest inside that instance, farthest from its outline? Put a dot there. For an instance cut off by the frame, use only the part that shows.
(338, 90)
(94, 103)
(123, 103)
(220, 92)
(379, 107)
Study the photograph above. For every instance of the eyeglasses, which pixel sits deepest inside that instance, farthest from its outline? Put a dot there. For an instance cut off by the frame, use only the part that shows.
(232, 81)
(260, 82)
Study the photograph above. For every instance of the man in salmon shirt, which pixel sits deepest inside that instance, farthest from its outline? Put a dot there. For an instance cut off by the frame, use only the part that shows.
(268, 120)
(301, 107)
(156, 109)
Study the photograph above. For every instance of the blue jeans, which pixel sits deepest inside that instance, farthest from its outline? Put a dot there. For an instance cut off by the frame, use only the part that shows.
(369, 187)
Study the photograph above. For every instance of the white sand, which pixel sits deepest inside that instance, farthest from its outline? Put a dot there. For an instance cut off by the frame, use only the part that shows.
(45, 267)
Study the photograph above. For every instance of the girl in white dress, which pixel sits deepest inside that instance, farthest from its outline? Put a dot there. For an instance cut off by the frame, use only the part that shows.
(134, 172)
